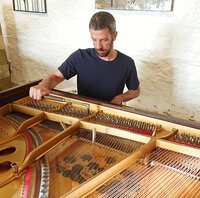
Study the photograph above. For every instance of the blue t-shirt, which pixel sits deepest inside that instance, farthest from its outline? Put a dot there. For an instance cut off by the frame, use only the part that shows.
(97, 78)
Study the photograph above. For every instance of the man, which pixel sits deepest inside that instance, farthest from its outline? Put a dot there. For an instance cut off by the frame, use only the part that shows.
(102, 72)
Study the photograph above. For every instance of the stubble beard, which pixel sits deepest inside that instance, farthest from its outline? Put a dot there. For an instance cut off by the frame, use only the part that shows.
(104, 53)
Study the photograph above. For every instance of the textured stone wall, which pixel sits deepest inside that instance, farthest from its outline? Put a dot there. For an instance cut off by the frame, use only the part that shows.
(164, 45)
(4, 68)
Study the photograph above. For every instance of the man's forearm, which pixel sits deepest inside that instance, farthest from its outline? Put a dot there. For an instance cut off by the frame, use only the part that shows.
(124, 97)
(50, 82)
(130, 94)
(43, 88)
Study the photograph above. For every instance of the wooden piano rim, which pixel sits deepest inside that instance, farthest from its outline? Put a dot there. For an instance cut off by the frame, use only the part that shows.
(129, 109)
(18, 92)
(9, 95)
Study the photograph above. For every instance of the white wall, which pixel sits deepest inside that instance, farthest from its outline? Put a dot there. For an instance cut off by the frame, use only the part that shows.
(164, 45)
(4, 67)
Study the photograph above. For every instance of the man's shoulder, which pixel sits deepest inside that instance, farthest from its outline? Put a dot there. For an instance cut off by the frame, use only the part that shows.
(81, 56)
(83, 52)
(87, 50)
(80, 53)
(124, 57)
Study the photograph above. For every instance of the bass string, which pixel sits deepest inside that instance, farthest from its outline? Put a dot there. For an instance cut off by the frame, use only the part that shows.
(174, 179)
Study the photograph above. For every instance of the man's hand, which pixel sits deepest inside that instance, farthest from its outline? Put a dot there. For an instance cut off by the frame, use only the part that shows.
(38, 92)
(44, 87)
(129, 95)
(117, 100)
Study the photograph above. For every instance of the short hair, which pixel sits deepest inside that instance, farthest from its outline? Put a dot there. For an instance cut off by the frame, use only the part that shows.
(102, 20)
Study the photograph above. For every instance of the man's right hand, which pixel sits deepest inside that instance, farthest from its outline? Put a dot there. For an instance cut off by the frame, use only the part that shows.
(38, 92)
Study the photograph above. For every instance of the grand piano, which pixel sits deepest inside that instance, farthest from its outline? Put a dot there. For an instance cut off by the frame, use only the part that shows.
(66, 145)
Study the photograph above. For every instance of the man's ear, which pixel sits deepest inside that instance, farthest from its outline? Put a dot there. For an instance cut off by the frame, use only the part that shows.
(114, 35)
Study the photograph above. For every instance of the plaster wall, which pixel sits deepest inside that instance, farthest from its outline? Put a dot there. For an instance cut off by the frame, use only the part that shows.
(4, 68)
(164, 45)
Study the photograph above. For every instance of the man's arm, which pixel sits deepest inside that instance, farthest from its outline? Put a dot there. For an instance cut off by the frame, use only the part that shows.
(44, 87)
(130, 94)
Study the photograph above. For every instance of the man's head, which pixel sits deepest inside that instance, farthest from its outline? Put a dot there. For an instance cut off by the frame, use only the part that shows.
(101, 20)
(103, 32)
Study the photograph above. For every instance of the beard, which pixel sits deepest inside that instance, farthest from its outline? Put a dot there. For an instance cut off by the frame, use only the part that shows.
(103, 52)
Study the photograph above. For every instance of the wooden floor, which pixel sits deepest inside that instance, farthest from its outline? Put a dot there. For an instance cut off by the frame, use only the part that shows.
(6, 83)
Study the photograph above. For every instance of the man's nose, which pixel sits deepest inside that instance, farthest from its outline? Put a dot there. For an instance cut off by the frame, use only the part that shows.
(98, 45)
